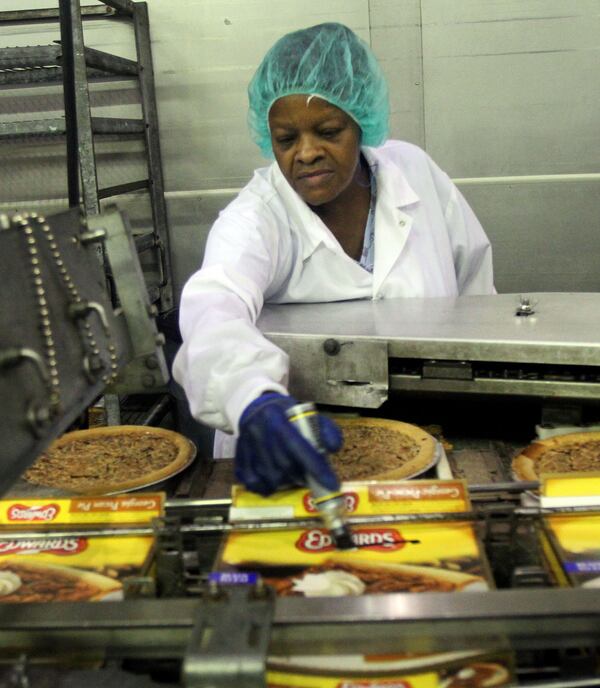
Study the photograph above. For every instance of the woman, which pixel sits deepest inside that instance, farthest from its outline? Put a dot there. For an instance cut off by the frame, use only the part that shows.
(337, 216)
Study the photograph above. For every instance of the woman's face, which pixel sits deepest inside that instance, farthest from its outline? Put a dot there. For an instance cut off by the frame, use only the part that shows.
(316, 145)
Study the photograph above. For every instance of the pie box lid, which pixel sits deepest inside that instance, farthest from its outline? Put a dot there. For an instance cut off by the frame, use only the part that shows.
(363, 498)
(129, 509)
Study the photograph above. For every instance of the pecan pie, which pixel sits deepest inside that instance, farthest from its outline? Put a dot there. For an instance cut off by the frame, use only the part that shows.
(379, 578)
(41, 582)
(111, 459)
(572, 453)
(380, 449)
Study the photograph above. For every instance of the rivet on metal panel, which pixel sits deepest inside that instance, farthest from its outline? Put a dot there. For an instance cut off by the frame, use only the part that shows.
(525, 306)
(92, 236)
(148, 380)
(38, 417)
(151, 362)
(331, 347)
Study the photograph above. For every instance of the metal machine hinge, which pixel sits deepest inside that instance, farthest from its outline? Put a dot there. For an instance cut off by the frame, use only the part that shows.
(228, 645)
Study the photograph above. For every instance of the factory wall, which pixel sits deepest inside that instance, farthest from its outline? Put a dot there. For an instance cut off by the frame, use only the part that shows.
(502, 93)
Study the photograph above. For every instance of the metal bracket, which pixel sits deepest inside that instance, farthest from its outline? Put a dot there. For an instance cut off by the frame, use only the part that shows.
(339, 371)
(448, 370)
(525, 307)
(229, 642)
(15, 355)
(148, 369)
(529, 576)
(170, 568)
(39, 412)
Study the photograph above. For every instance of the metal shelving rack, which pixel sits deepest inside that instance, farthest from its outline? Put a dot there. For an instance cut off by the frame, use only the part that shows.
(74, 65)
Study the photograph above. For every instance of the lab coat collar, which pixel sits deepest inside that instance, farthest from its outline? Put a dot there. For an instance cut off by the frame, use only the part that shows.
(306, 223)
(393, 219)
(391, 182)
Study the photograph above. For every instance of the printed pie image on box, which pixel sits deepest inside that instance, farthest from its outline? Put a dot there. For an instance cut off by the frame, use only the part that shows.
(66, 568)
(23, 579)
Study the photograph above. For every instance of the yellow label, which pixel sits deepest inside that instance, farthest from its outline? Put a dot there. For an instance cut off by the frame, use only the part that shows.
(571, 485)
(277, 679)
(410, 542)
(417, 497)
(576, 534)
(80, 551)
(36, 513)
(362, 499)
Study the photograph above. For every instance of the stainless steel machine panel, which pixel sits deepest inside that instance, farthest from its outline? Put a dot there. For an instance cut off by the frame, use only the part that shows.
(563, 329)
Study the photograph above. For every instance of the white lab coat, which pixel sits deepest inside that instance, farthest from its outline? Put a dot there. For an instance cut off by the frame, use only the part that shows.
(268, 245)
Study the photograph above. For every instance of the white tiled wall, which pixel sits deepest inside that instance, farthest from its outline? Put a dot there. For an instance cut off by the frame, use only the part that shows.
(503, 94)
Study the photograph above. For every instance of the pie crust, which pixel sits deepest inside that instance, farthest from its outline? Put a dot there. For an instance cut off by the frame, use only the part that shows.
(575, 452)
(111, 459)
(381, 449)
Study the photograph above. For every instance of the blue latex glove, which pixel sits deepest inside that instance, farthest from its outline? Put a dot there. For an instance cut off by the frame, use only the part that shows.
(271, 453)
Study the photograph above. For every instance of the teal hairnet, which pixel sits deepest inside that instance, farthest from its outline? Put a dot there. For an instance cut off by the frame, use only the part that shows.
(330, 61)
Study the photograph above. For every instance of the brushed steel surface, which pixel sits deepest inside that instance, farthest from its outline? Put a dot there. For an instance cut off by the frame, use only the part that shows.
(356, 376)
(491, 90)
(544, 233)
(527, 388)
(425, 622)
(564, 330)
(508, 86)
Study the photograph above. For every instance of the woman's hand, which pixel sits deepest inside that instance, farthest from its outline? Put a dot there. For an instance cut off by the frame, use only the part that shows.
(272, 454)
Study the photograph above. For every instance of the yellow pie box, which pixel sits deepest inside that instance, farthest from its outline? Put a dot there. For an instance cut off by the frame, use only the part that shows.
(448, 670)
(41, 560)
(402, 556)
(571, 541)
(395, 557)
(571, 545)
(364, 498)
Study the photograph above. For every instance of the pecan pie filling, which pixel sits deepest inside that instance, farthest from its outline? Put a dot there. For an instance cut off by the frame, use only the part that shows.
(371, 450)
(44, 585)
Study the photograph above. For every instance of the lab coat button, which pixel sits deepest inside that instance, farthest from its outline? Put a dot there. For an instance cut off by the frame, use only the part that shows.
(402, 223)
